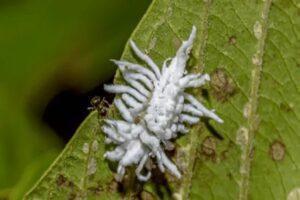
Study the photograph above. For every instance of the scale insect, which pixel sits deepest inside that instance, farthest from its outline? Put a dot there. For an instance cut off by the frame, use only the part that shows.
(155, 108)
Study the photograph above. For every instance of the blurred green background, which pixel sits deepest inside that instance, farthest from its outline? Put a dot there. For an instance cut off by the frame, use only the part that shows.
(54, 57)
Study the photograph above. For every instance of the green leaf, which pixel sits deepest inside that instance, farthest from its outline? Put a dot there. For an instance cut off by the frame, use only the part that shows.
(251, 51)
(80, 171)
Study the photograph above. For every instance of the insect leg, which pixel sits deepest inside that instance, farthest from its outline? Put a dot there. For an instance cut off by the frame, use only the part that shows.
(123, 110)
(201, 108)
(125, 89)
(197, 82)
(140, 168)
(170, 166)
(154, 144)
(193, 80)
(138, 86)
(183, 82)
(189, 108)
(130, 101)
(125, 65)
(182, 53)
(112, 134)
(142, 78)
(114, 155)
(182, 129)
(189, 119)
(145, 58)
(120, 125)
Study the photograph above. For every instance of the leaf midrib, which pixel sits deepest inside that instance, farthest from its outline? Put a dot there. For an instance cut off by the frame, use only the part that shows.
(253, 116)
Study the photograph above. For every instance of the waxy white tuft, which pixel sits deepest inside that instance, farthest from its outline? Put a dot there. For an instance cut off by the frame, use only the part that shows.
(154, 108)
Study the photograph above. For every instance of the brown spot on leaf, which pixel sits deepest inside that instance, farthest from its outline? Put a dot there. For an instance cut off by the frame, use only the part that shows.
(222, 85)
(208, 147)
(61, 180)
(232, 40)
(277, 150)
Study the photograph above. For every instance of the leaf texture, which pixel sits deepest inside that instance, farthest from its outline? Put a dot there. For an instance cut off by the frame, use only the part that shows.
(80, 171)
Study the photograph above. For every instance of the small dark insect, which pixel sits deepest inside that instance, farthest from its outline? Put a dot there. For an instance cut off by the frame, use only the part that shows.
(99, 104)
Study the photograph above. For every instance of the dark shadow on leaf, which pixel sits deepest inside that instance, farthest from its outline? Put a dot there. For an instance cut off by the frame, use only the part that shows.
(212, 129)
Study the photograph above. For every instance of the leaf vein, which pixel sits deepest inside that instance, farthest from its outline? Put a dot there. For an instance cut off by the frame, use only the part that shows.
(253, 102)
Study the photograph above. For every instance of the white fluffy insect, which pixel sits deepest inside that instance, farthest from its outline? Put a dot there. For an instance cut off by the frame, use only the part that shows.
(155, 108)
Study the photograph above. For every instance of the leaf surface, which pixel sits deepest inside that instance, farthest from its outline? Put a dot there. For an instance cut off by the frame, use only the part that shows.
(251, 51)
(80, 171)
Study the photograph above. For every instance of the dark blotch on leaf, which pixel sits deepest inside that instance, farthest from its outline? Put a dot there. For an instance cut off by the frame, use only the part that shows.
(222, 85)
(286, 107)
(62, 181)
(232, 40)
(229, 175)
(277, 150)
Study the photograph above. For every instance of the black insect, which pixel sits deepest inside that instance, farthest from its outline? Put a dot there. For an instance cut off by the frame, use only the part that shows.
(99, 104)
